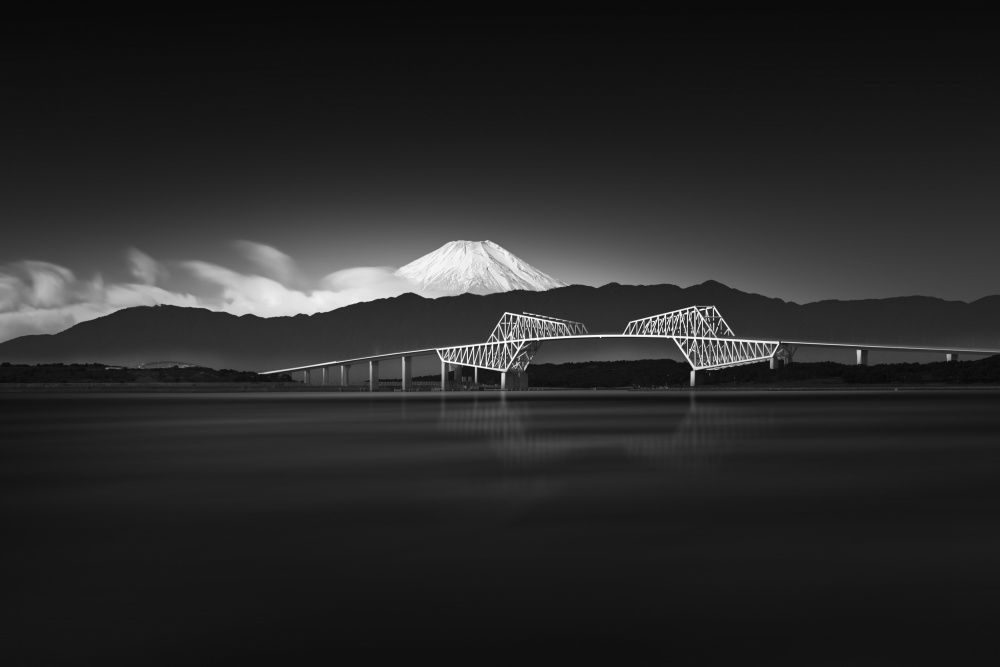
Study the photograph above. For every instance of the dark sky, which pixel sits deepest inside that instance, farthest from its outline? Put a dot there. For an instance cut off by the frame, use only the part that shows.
(800, 156)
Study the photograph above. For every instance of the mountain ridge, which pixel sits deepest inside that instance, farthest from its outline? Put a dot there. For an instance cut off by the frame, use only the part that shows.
(410, 321)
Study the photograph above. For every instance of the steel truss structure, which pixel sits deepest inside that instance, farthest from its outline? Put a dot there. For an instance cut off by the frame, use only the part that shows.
(715, 353)
(701, 333)
(690, 321)
(704, 338)
(513, 343)
(786, 351)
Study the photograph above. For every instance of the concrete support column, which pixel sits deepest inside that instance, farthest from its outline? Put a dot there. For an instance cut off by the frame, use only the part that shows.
(475, 375)
(372, 376)
(775, 363)
(326, 376)
(407, 373)
(444, 376)
(694, 378)
(862, 357)
(306, 377)
(345, 375)
(951, 357)
(503, 381)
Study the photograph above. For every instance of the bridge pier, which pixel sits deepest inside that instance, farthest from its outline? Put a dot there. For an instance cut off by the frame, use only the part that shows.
(444, 375)
(306, 377)
(407, 373)
(513, 381)
(862, 357)
(694, 378)
(775, 363)
(951, 356)
(372, 376)
(345, 375)
(475, 375)
(324, 376)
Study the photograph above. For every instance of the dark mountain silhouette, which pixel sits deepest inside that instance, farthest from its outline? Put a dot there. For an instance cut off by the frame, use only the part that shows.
(220, 340)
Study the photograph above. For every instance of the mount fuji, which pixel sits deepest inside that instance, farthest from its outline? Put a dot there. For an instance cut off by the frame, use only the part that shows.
(477, 267)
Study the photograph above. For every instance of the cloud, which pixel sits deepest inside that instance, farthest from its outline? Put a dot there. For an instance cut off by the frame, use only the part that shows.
(146, 269)
(126, 295)
(271, 262)
(243, 294)
(364, 283)
(40, 297)
(39, 285)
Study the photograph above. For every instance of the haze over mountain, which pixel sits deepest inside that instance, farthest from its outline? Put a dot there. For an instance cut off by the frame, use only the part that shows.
(476, 267)
(44, 298)
(409, 321)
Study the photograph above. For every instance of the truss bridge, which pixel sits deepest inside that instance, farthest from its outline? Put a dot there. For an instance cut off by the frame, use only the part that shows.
(700, 332)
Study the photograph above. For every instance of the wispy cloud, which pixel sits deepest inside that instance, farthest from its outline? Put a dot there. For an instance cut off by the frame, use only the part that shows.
(41, 297)
(146, 269)
(243, 294)
(270, 262)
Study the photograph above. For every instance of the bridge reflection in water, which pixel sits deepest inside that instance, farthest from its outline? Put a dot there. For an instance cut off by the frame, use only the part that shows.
(689, 434)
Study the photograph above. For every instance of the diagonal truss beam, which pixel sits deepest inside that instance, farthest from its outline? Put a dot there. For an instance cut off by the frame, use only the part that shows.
(690, 321)
(504, 357)
(513, 343)
(704, 338)
(705, 353)
(528, 326)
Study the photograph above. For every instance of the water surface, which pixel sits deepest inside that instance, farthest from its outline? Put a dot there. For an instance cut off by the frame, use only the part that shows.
(796, 528)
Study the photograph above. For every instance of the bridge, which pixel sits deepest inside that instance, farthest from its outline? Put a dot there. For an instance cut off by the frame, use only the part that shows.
(703, 336)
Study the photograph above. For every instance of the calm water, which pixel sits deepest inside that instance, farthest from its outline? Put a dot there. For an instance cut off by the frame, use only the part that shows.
(791, 528)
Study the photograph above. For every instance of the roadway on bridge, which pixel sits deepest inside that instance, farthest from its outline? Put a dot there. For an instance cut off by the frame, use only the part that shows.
(780, 342)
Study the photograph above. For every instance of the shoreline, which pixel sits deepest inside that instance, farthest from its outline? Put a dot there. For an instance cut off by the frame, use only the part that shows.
(184, 388)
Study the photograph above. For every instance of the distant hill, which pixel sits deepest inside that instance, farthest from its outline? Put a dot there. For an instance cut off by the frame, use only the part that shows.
(99, 373)
(220, 340)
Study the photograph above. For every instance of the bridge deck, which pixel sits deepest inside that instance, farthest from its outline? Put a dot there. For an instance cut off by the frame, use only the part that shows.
(846, 346)
(894, 348)
(358, 360)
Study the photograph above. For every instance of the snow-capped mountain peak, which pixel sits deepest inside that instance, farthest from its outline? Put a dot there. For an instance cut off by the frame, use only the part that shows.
(480, 267)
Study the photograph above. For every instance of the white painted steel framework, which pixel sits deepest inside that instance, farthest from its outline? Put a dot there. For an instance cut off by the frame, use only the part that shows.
(704, 338)
(690, 321)
(701, 333)
(513, 343)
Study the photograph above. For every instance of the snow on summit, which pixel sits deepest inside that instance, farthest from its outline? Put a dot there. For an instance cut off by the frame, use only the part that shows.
(480, 267)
